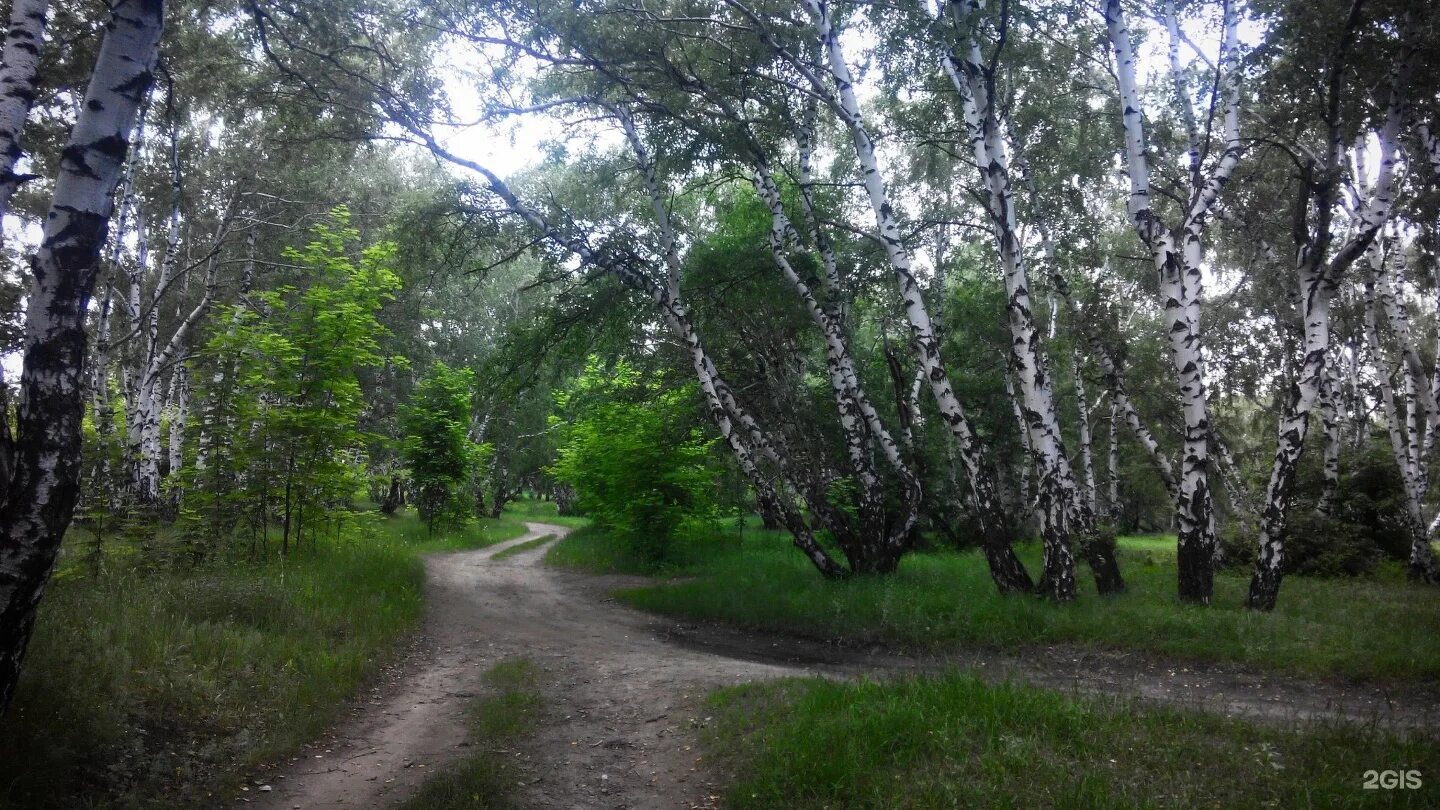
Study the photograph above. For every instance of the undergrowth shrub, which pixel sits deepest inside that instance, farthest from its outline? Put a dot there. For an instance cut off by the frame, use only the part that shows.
(1366, 522)
(636, 459)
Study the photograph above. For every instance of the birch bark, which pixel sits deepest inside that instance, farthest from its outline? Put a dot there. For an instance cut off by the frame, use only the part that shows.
(19, 63)
(1177, 253)
(1005, 567)
(1061, 506)
(43, 488)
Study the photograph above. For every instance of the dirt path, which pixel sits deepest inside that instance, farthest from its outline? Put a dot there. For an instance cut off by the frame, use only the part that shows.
(626, 690)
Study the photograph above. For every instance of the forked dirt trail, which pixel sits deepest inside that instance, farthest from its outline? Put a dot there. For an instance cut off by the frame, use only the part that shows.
(622, 702)
(626, 691)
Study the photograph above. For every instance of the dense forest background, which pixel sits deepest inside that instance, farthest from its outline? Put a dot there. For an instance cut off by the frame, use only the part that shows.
(896, 278)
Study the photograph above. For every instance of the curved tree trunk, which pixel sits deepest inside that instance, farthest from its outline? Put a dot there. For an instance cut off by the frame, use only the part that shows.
(1061, 504)
(1005, 568)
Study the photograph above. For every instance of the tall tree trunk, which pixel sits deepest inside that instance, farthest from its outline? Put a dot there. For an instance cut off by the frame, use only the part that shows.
(1027, 465)
(1294, 425)
(179, 414)
(43, 489)
(1087, 458)
(19, 62)
(1062, 505)
(1318, 280)
(1334, 440)
(883, 540)
(1112, 464)
(1177, 254)
(1005, 567)
(1403, 445)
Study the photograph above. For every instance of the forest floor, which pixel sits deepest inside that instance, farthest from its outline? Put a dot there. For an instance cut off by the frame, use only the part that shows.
(626, 692)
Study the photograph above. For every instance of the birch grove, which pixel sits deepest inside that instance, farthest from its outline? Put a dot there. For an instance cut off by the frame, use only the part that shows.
(1189, 284)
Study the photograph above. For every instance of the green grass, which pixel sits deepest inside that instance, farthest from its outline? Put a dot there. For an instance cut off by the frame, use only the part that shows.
(158, 684)
(592, 550)
(521, 548)
(406, 528)
(487, 778)
(1379, 627)
(953, 741)
(543, 512)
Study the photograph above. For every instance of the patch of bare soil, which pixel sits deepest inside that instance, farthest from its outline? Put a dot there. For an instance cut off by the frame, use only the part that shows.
(626, 690)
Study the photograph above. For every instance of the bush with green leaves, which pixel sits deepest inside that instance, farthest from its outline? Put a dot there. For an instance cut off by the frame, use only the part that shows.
(1366, 520)
(636, 457)
(279, 440)
(438, 449)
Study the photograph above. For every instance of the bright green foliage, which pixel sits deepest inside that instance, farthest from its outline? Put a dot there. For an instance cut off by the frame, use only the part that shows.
(955, 741)
(438, 449)
(294, 404)
(634, 458)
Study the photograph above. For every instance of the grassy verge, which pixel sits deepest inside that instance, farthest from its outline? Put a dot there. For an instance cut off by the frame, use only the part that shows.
(544, 512)
(487, 778)
(155, 684)
(953, 741)
(1377, 627)
(407, 529)
(594, 551)
(521, 548)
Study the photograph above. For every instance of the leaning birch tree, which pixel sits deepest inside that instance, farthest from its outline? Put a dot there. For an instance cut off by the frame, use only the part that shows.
(1065, 510)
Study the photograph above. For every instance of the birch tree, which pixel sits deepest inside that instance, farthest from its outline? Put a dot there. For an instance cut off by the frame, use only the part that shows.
(1177, 251)
(1065, 508)
(41, 493)
(839, 93)
(1318, 273)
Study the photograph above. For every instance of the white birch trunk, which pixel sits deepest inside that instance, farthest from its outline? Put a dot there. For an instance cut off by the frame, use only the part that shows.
(1082, 408)
(1177, 255)
(1060, 504)
(1112, 463)
(1027, 466)
(19, 63)
(859, 421)
(1005, 568)
(1318, 279)
(42, 491)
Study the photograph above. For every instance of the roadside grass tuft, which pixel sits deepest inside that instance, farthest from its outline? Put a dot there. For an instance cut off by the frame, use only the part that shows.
(1380, 627)
(521, 548)
(487, 778)
(954, 741)
(157, 683)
